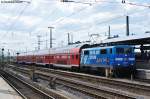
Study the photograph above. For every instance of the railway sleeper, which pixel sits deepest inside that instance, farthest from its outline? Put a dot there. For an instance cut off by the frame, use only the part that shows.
(90, 89)
(130, 87)
(38, 87)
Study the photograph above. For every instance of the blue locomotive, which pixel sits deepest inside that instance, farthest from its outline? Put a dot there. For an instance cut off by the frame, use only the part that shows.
(112, 60)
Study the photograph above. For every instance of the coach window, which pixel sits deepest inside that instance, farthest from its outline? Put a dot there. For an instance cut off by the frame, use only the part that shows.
(76, 56)
(68, 56)
(103, 51)
(72, 56)
(86, 52)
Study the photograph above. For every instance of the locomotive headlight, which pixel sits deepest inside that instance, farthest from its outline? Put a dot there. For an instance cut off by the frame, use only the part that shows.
(119, 59)
(132, 59)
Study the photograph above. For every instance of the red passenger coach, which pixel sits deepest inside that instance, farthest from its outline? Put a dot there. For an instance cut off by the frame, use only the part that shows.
(67, 57)
(42, 57)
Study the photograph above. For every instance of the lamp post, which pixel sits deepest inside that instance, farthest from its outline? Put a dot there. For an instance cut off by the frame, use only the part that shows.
(17, 56)
(2, 58)
(8, 56)
(51, 38)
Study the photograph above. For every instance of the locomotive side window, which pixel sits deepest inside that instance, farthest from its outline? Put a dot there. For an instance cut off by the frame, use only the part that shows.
(86, 52)
(111, 51)
(92, 52)
(120, 50)
(103, 51)
(123, 50)
(128, 50)
(97, 52)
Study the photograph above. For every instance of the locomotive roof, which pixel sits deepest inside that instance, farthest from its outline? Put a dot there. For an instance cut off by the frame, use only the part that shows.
(103, 47)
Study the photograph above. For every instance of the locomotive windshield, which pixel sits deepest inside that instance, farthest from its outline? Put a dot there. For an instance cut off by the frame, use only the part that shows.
(123, 50)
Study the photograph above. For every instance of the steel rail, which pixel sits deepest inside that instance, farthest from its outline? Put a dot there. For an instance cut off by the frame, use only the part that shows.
(20, 93)
(128, 86)
(39, 89)
(15, 79)
(89, 89)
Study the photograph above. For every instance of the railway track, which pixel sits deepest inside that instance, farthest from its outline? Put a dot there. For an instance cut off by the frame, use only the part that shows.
(29, 90)
(89, 89)
(83, 83)
(20, 94)
(130, 86)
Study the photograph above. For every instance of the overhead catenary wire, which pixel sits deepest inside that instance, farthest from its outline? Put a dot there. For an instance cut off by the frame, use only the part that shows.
(111, 2)
(62, 19)
(105, 21)
(72, 14)
(125, 2)
(9, 18)
(17, 18)
(50, 14)
(97, 1)
(112, 19)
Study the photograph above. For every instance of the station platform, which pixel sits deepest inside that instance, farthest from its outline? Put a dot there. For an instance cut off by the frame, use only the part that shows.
(7, 92)
(143, 65)
(143, 74)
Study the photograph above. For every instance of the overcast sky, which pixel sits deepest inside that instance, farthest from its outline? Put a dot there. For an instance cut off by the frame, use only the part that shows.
(21, 23)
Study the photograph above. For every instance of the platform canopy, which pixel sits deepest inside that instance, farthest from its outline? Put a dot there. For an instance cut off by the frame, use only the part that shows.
(130, 40)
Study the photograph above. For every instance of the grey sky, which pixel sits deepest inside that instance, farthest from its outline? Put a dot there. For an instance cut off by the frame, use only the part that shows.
(21, 23)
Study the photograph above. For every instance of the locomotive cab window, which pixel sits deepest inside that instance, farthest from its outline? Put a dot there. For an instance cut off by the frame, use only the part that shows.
(123, 50)
(103, 51)
(86, 52)
(128, 50)
(120, 50)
